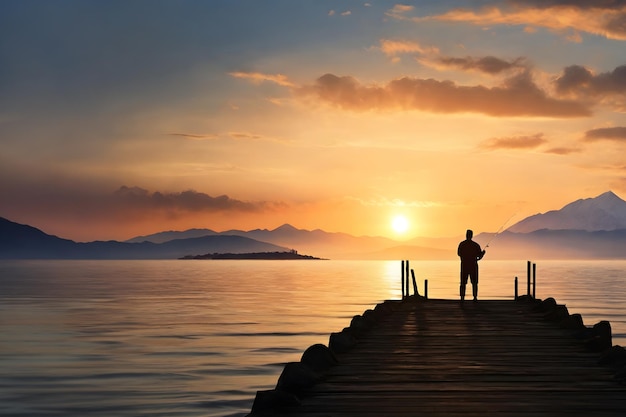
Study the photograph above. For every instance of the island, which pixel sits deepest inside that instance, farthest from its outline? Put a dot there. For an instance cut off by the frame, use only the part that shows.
(288, 255)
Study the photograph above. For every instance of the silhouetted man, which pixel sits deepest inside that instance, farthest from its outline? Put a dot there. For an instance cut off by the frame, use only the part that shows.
(470, 253)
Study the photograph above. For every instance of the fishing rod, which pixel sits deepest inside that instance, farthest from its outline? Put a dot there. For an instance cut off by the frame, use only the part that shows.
(500, 229)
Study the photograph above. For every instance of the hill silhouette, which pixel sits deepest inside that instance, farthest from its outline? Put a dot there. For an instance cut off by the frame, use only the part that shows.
(589, 228)
(19, 241)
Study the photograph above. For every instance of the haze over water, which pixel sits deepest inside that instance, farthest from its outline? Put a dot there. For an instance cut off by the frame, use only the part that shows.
(199, 338)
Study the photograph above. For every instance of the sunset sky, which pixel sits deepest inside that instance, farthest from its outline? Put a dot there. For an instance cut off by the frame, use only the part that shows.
(123, 118)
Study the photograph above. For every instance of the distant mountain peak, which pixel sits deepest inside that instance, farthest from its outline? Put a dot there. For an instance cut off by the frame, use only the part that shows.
(605, 212)
(286, 228)
(609, 194)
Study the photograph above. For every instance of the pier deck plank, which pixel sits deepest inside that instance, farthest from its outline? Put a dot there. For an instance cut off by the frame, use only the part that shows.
(444, 358)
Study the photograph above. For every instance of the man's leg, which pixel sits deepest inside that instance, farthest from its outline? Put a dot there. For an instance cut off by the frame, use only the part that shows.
(474, 278)
(463, 284)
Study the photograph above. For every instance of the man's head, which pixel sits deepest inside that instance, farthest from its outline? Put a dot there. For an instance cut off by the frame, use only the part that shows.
(469, 234)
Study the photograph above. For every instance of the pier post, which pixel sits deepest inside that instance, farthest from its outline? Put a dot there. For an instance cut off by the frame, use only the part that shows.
(426, 288)
(516, 292)
(415, 292)
(407, 278)
(528, 278)
(402, 282)
(534, 278)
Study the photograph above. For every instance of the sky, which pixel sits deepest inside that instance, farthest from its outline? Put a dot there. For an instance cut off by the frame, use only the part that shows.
(121, 118)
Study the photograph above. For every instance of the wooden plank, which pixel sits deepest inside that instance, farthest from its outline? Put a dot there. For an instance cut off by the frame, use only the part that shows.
(444, 358)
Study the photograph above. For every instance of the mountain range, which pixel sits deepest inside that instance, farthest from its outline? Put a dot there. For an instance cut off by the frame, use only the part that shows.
(591, 228)
(604, 212)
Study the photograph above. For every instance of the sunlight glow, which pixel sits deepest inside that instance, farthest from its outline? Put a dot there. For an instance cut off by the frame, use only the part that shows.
(399, 224)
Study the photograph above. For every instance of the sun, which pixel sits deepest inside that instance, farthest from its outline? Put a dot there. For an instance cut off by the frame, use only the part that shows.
(400, 224)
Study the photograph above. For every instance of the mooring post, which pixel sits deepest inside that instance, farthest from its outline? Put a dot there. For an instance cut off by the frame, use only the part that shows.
(534, 278)
(402, 282)
(528, 278)
(516, 293)
(415, 292)
(426, 288)
(407, 278)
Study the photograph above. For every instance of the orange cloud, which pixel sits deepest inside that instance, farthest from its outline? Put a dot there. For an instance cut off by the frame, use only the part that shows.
(394, 47)
(517, 96)
(401, 8)
(194, 136)
(258, 77)
(605, 18)
(515, 142)
(244, 135)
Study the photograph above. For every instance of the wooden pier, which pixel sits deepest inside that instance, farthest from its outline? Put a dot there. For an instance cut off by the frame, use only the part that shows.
(420, 357)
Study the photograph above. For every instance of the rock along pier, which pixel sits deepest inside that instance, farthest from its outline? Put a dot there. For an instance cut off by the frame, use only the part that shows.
(430, 357)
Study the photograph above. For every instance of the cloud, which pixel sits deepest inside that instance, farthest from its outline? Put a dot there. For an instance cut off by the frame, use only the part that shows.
(244, 136)
(258, 77)
(579, 81)
(392, 47)
(232, 135)
(194, 136)
(582, 4)
(562, 150)
(604, 18)
(517, 96)
(606, 133)
(401, 8)
(136, 198)
(515, 142)
(487, 64)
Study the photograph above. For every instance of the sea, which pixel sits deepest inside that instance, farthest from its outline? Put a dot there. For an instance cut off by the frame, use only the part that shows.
(201, 337)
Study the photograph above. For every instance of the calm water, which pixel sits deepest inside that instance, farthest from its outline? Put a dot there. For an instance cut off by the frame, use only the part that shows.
(199, 338)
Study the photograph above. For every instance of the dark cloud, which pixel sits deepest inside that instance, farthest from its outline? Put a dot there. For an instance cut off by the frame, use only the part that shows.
(606, 133)
(517, 96)
(562, 150)
(193, 136)
(580, 81)
(192, 201)
(515, 142)
(487, 64)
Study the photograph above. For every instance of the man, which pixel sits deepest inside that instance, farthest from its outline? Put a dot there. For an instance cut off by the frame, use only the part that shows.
(470, 253)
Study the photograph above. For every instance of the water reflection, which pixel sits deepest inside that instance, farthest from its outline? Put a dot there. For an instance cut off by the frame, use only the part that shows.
(201, 337)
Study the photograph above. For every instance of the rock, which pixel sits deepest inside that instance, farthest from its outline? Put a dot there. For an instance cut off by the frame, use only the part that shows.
(359, 325)
(546, 305)
(341, 342)
(296, 377)
(272, 399)
(319, 358)
(372, 316)
(524, 298)
(573, 322)
(384, 309)
(601, 337)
